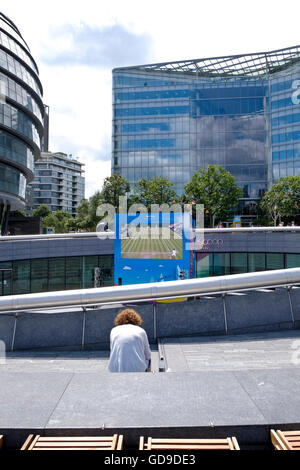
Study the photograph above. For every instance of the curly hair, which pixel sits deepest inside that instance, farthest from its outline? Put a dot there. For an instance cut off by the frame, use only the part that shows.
(128, 316)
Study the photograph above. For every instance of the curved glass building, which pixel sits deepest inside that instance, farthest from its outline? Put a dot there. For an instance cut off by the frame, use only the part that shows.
(241, 112)
(21, 118)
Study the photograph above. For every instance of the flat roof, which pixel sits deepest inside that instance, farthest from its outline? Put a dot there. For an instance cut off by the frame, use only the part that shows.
(258, 64)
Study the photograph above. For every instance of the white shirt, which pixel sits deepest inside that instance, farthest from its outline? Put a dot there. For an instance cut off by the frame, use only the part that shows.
(129, 349)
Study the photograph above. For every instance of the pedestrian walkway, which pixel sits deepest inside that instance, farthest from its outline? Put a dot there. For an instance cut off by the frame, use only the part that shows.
(259, 351)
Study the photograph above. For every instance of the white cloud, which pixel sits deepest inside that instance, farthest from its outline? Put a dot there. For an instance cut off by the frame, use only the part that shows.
(79, 95)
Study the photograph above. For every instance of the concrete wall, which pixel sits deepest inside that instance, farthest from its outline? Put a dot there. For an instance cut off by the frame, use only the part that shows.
(33, 249)
(214, 315)
(253, 242)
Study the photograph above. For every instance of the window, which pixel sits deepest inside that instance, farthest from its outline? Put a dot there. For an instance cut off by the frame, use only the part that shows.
(57, 274)
(292, 260)
(238, 263)
(88, 265)
(39, 275)
(204, 264)
(21, 277)
(73, 272)
(221, 264)
(275, 261)
(256, 262)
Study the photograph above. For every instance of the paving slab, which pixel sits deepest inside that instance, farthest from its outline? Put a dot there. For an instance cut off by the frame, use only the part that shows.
(154, 400)
(28, 400)
(238, 386)
(239, 352)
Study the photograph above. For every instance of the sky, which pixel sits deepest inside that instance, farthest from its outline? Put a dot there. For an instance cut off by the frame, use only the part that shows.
(76, 45)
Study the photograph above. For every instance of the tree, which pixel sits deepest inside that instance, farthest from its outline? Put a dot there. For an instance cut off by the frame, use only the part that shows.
(86, 214)
(155, 191)
(41, 211)
(18, 213)
(216, 189)
(113, 187)
(60, 220)
(283, 199)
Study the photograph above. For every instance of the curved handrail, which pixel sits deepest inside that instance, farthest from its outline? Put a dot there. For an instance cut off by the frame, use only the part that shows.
(151, 291)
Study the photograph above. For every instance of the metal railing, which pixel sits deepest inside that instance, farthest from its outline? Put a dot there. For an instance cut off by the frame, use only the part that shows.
(151, 292)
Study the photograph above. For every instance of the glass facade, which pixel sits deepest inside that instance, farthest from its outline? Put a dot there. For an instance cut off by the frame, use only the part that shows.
(21, 118)
(285, 123)
(172, 119)
(221, 264)
(58, 182)
(54, 274)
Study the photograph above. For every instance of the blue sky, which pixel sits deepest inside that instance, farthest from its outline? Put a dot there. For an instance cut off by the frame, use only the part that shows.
(76, 44)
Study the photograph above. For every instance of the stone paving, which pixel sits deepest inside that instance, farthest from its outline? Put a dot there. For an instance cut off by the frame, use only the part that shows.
(238, 385)
(274, 350)
(62, 361)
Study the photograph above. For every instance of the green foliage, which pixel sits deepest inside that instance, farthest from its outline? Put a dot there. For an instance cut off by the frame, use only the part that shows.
(86, 214)
(155, 191)
(216, 189)
(283, 199)
(41, 211)
(113, 187)
(62, 221)
(18, 213)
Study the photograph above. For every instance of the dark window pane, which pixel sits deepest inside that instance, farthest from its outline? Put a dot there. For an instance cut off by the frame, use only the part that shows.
(256, 262)
(106, 263)
(21, 277)
(221, 264)
(89, 263)
(57, 274)
(73, 273)
(39, 275)
(204, 265)
(292, 261)
(238, 263)
(275, 261)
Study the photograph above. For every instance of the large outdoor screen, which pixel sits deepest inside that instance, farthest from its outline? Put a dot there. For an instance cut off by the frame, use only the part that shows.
(161, 240)
(151, 248)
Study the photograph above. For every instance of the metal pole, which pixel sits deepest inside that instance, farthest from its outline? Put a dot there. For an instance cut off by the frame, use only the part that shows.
(225, 313)
(83, 328)
(14, 333)
(291, 304)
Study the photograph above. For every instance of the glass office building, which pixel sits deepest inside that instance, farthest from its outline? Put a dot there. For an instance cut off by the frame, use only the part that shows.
(21, 118)
(241, 112)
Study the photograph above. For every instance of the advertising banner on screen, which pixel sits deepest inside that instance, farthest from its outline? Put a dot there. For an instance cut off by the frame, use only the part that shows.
(152, 247)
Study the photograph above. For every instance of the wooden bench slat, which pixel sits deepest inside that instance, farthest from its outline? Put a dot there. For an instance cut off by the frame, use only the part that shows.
(27, 442)
(120, 443)
(235, 443)
(187, 446)
(33, 442)
(72, 444)
(76, 439)
(68, 448)
(114, 442)
(178, 441)
(284, 440)
(196, 444)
